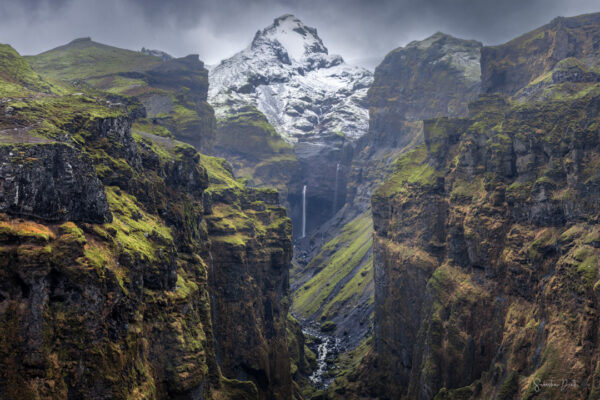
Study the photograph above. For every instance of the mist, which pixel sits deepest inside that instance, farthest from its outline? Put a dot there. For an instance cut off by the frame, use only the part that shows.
(361, 31)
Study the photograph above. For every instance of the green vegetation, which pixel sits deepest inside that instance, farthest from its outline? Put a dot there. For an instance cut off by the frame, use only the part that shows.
(218, 173)
(545, 241)
(20, 230)
(250, 134)
(343, 258)
(548, 370)
(118, 84)
(173, 103)
(137, 232)
(83, 58)
(17, 78)
(413, 168)
(347, 369)
(466, 190)
(510, 387)
(328, 326)
(303, 359)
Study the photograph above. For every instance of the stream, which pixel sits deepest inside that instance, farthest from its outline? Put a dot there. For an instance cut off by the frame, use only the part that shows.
(326, 348)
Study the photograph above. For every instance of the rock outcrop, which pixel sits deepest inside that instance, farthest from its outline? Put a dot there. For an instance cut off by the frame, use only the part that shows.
(434, 77)
(511, 67)
(50, 181)
(256, 151)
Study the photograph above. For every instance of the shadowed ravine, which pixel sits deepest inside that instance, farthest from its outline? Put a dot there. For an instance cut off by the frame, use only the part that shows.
(289, 226)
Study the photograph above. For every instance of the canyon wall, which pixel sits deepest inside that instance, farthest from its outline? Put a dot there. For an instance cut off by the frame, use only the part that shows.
(132, 266)
(486, 245)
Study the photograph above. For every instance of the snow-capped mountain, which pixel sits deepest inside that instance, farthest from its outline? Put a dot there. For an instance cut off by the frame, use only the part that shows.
(288, 74)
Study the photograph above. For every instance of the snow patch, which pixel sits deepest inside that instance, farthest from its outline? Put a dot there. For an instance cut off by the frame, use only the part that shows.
(287, 74)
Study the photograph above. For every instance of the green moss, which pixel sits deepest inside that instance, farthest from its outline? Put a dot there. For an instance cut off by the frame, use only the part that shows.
(352, 290)
(146, 126)
(544, 242)
(54, 116)
(84, 58)
(218, 173)
(547, 370)
(17, 78)
(463, 393)
(249, 134)
(237, 240)
(235, 389)
(328, 326)
(72, 230)
(466, 190)
(588, 268)
(519, 190)
(96, 256)
(571, 234)
(412, 168)
(24, 231)
(138, 232)
(592, 237)
(117, 84)
(337, 259)
(348, 365)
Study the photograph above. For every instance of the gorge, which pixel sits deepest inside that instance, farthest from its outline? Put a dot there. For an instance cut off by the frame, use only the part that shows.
(285, 225)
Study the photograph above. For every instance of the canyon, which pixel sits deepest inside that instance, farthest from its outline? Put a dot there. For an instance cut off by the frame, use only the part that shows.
(284, 225)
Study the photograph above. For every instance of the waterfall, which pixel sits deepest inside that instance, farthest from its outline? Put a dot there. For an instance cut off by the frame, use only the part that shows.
(304, 211)
(335, 190)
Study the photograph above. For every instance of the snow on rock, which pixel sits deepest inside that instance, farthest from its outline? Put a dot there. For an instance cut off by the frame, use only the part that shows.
(288, 74)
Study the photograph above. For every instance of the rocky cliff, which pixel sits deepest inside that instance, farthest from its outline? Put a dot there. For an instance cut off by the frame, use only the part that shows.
(485, 253)
(531, 58)
(132, 266)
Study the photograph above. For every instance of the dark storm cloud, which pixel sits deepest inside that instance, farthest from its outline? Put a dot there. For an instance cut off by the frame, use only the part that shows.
(217, 28)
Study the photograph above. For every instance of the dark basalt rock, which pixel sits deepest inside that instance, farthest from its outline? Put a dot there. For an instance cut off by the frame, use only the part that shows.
(509, 67)
(483, 237)
(434, 77)
(51, 181)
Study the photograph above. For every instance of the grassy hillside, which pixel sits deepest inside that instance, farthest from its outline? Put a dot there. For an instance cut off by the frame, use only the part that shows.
(173, 92)
(84, 58)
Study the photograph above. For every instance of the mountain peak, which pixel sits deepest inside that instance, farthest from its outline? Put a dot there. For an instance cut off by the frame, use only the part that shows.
(286, 17)
(297, 39)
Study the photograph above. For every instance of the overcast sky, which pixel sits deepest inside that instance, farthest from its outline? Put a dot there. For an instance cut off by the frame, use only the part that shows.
(215, 29)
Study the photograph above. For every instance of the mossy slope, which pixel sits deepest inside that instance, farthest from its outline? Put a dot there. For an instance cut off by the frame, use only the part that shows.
(173, 91)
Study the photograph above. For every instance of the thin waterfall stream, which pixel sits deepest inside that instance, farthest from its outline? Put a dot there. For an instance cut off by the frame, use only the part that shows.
(304, 211)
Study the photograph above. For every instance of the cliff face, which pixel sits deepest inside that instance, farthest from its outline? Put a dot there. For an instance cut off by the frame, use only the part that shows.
(250, 253)
(332, 285)
(486, 251)
(510, 67)
(53, 182)
(434, 77)
(131, 265)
